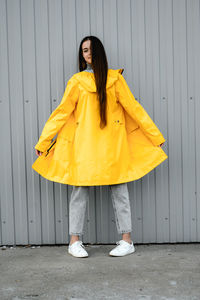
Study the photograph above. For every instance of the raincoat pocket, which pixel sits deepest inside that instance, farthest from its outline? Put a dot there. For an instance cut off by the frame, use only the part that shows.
(67, 132)
(131, 124)
(63, 149)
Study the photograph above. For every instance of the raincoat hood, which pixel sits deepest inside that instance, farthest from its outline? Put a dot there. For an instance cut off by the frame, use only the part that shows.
(87, 79)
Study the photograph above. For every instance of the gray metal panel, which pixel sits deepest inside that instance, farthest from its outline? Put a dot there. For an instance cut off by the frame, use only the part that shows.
(7, 217)
(17, 115)
(33, 210)
(171, 215)
(158, 45)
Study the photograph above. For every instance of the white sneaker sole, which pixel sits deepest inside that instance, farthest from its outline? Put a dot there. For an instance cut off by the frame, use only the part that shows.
(117, 255)
(77, 255)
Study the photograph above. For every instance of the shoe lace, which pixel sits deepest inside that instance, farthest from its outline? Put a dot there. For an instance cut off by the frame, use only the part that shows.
(81, 244)
(118, 242)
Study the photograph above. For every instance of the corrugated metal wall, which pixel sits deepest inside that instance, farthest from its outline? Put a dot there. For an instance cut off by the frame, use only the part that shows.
(157, 42)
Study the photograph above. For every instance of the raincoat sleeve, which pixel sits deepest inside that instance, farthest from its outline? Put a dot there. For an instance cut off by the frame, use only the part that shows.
(60, 115)
(137, 112)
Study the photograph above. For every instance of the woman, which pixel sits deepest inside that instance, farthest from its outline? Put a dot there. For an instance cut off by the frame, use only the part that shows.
(104, 137)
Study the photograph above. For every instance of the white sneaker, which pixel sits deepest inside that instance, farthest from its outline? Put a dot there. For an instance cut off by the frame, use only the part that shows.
(77, 249)
(122, 249)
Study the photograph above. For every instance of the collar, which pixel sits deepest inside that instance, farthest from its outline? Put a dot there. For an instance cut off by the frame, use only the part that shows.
(87, 80)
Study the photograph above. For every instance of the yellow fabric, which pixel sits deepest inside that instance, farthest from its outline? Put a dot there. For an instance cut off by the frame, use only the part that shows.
(83, 153)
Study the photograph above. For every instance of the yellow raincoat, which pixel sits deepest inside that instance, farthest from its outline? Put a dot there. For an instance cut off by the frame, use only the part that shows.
(83, 153)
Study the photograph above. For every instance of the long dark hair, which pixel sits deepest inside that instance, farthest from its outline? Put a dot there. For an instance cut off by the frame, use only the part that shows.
(100, 69)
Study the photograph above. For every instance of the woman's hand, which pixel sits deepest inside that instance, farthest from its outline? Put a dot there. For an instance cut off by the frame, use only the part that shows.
(161, 145)
(38, 153)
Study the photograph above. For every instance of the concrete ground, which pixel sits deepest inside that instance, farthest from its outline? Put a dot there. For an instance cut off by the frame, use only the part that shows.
(162, 271)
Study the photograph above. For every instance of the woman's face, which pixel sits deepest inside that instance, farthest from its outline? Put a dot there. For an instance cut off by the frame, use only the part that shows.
(86, 51)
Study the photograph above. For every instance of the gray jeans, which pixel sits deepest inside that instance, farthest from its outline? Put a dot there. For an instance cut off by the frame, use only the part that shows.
(121, 205)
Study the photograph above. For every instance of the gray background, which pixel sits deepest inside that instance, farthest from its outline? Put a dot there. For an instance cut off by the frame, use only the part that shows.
(157, 43)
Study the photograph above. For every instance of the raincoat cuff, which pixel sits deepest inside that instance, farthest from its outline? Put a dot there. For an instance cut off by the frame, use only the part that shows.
(41, 148)
(157, 140)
